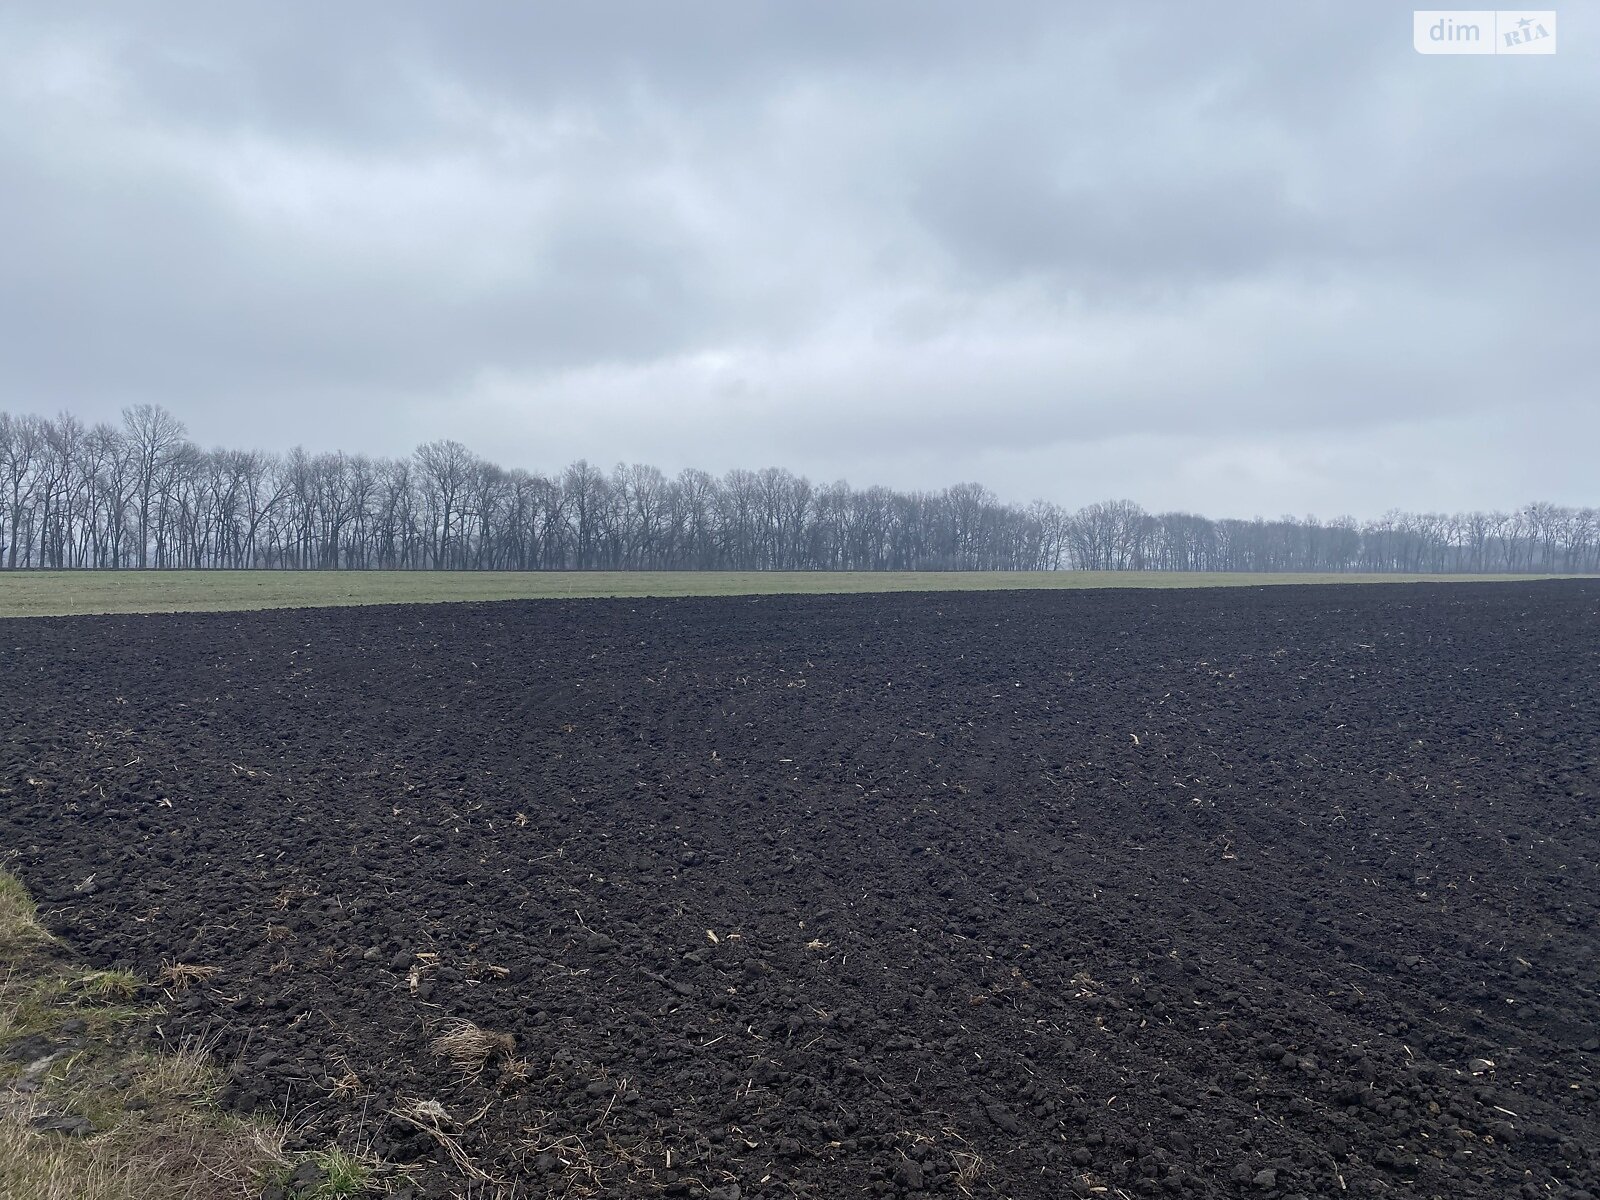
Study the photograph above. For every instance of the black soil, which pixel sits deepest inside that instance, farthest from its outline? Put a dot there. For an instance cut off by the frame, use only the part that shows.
(1273, 892)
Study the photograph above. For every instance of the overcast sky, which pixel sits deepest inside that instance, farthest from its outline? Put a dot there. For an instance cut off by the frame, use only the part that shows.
(1235, 258)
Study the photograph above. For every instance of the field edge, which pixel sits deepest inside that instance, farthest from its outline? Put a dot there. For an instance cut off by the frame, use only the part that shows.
(102, 593)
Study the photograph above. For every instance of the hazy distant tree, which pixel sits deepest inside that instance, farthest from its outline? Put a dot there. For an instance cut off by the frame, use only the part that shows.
(21, 446)
(483, 513)
(154, 435)
(967, 505)
(61, 451)
(1496, 527)
(1520, 544)
(265, 486)
(1180, 542)
(1583, 539)
(1106, 536)
(517, 538)
(176, 478)
(337, 499)
(444, 470)
(89, 513)
(584, 487)
(691, 519)
(783, 510)
(641, 494)
(1547, 525)
(395, 533)
(116, 485)
(551, 521)
(143, 495)
(1475, 539)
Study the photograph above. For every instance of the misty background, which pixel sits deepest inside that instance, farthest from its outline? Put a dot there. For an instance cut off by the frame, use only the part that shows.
(141, 494)
(1253, 258)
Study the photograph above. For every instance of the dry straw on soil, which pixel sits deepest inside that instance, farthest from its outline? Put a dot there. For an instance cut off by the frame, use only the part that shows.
(470, 1047)
(180, 977)
(152, 1133)
(431, 1118)
(176, 1158)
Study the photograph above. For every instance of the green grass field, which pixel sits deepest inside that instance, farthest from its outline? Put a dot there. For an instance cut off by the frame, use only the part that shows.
(67, 593)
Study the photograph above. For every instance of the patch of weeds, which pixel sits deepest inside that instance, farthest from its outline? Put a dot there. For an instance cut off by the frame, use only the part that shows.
(185, 1070)
(333, 1174)
(108, 987)
(149, 1130)
(183, 1155)
(19, 919)
(29, 1006)
(104, 1019)
(38, 1000)
(344, 1175)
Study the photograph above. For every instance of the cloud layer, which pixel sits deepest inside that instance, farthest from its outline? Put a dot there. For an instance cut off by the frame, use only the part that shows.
(1271, 263)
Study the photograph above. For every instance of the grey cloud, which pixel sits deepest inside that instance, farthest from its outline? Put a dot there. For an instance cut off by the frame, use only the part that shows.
(1010, 216)
(917, 239)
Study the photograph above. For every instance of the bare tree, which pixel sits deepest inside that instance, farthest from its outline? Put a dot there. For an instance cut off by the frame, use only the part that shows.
(153, 434)
(142, 495)
(584, 488)
(445, 469)
(22, 445)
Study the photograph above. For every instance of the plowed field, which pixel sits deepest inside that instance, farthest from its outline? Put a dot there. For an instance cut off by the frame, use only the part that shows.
(1270, 893)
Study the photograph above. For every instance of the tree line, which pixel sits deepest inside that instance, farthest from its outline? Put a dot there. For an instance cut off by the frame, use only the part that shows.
(141, 494)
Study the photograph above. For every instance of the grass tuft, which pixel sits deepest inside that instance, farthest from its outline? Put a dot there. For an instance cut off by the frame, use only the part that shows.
(344, 1175)
(19, 920)
(109, 987)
